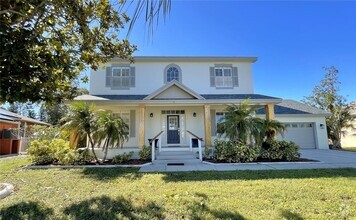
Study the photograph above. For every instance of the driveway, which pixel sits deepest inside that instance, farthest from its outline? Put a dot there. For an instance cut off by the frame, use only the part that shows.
(333, 158)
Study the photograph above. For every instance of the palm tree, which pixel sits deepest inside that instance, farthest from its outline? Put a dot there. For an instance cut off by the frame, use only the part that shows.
(270, 128)
(113, 131)
(81, 119)
(239, 123)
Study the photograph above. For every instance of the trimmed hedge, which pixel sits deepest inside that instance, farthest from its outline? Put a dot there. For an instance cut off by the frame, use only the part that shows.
(280, 150)
(235, 152)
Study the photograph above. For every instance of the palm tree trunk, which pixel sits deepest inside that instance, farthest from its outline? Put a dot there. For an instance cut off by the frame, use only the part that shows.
(92, 148)
(106, 148)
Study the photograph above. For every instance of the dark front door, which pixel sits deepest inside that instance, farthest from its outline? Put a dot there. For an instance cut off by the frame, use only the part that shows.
(173, 129)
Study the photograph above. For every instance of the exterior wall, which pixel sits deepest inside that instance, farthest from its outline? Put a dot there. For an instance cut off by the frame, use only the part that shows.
(349, 138)
(187, 122)
(195, 75)
(321, 136)
(159, 122)
(133, 141)
(116, 151)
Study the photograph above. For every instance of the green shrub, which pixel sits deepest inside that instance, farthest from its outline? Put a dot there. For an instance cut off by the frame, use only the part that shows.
(208, 152)
(40, 152)
(63, 154)
(122, 158)
(84, 156)
(280, 150)
(145, 153)
(56, 151)
(234, 152)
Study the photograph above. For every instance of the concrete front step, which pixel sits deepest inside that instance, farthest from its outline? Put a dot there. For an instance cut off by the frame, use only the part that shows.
(175, 155)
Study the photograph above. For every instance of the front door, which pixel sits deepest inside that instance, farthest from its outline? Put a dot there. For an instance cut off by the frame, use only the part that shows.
(173, 129)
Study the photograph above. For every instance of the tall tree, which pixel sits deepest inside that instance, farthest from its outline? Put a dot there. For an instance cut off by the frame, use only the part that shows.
(26, 109)
(47, 43)
(326, 96)
(53, 113)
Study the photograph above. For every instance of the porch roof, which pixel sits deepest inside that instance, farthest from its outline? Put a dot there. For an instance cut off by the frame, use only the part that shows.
(208, 99)
(291, 107)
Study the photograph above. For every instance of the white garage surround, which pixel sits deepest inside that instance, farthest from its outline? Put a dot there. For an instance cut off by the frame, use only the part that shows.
(308, 132)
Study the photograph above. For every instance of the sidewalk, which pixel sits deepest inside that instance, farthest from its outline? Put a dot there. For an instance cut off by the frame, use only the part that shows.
(327, 159)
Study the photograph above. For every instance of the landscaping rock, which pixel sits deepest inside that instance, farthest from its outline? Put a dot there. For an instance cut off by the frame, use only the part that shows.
(5, 190)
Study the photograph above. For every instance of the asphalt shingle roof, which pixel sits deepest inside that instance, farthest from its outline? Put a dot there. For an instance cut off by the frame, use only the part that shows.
(206, 96)
(288, 106)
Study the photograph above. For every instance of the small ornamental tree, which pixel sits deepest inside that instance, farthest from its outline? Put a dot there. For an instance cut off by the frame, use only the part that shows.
(326, 96)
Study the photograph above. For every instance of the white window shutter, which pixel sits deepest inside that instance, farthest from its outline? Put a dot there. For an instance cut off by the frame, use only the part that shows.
(132, 77)
(212, 76)
(235, 77)
(108, 82)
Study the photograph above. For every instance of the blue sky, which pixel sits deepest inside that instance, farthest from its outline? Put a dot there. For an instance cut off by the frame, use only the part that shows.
(292, 40)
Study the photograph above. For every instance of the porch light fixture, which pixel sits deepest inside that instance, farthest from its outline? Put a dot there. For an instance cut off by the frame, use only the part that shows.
(194, 114)
(322, 126)
(151, 115)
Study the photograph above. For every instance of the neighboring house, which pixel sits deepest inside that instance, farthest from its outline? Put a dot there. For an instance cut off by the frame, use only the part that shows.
(349, 136)
(186, 96)
(10, 142)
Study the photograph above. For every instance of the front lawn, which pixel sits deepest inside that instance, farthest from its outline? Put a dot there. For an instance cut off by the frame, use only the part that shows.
(125, 194)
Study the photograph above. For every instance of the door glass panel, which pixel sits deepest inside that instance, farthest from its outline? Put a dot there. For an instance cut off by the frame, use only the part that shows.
(173, 123)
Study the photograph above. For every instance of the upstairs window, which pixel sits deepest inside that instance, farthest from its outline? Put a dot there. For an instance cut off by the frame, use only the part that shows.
(120, 76)
(223, 76)
(172, 72)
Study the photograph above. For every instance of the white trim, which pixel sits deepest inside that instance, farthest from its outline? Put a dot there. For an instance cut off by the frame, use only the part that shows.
(190, 58)
(169, 85)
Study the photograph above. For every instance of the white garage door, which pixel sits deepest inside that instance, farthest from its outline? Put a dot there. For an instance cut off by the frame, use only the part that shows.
(300, 133)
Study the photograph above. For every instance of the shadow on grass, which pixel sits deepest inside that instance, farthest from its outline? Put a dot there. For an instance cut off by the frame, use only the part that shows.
(107, 208)
(198, 210)
(26, 210)
(286, 214)
(111, 173)
(259, 174)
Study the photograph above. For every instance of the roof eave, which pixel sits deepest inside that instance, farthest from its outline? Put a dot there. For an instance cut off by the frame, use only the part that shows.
(190, 58)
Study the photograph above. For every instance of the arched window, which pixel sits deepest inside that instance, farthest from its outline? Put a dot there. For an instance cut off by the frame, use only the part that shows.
(172, 72)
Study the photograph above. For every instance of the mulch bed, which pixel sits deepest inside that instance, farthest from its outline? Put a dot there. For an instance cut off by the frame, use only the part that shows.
(264, 160)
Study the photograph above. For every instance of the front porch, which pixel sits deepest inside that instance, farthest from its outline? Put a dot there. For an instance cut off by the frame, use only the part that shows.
(175, 128)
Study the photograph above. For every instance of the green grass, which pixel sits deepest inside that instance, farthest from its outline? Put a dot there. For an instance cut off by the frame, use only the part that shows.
(349, 148)
(125, 194)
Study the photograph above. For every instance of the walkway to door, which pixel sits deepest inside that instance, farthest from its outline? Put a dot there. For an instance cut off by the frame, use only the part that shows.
(327, 159)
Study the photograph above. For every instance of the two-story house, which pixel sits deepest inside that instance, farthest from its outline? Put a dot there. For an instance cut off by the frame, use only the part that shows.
(182, 98)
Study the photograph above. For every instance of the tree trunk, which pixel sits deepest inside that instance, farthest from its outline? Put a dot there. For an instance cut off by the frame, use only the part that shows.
(92, 148)
(337, 144)
(106, 148)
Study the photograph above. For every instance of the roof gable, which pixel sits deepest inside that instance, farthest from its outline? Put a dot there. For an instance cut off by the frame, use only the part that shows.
(173, 91)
